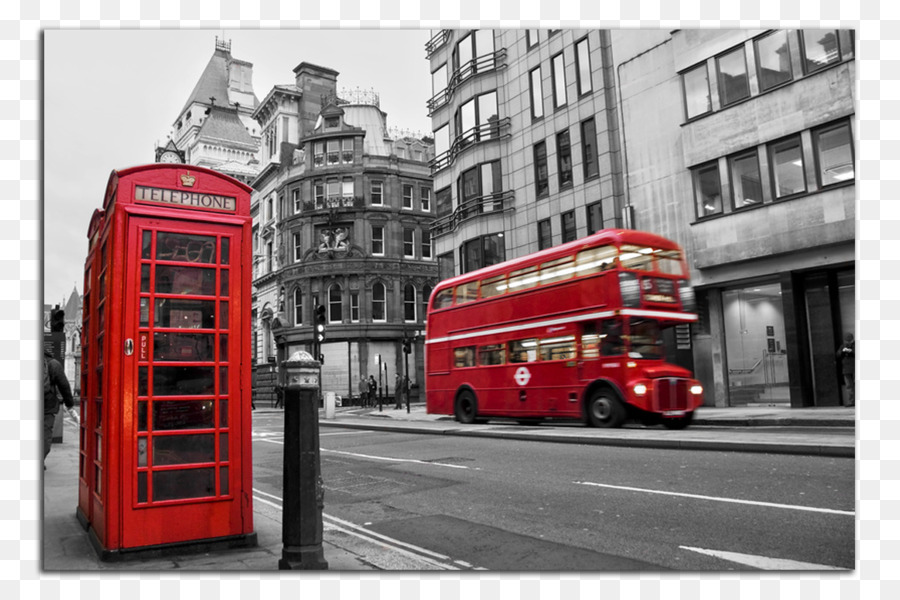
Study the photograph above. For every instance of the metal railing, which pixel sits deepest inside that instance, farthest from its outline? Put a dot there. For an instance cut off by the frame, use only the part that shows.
(438, 40)
(493, 130)
(490, 203)
(482, 64)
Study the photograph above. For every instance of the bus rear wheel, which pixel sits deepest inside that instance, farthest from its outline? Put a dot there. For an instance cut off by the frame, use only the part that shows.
(466, 408)
(604, 409)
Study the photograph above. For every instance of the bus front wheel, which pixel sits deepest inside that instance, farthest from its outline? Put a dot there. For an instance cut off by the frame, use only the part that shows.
(604, 409)
(466, 407)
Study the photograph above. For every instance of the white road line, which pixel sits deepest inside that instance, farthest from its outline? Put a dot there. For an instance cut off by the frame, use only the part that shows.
(764, 562)
(389, 459)
(434, 559)
(720, 499)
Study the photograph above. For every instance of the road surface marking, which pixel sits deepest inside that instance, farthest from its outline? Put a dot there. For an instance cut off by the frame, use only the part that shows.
(720, 499)
(764, 562)
(384, 458)
(434, 559)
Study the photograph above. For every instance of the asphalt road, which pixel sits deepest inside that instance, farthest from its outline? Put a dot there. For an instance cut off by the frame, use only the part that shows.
(507, 505)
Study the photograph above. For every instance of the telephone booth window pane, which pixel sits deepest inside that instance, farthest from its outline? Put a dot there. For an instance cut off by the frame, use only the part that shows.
(183, 346)
(146, 244)
(142, 452)
(225, 251)
(176, 485)
(183, 449)
(183, 381)
(145, 312)
(223, 481)
(223, 413)
(223, 347)
(98, 481)
(185, 314)
(185, 280)
(171, 415)
(223, 316)
(223, 380)
(142, 486)
(145, 278)
(142, 382)
(223, 283)
(223, 447)
(142, 416)
(186, 248)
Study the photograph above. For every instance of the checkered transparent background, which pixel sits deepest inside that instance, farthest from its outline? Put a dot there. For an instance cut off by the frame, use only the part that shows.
(878, 93)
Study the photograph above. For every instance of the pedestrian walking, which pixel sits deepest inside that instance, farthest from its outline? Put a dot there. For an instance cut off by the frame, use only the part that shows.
(55, 380)
(398, 391)
(847, 356)
(373, 389)
(363, 391)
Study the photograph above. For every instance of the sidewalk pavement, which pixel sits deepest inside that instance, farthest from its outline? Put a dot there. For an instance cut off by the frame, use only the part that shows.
(66, 546)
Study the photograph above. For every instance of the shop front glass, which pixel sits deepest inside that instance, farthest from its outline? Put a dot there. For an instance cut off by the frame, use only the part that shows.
(755, 346)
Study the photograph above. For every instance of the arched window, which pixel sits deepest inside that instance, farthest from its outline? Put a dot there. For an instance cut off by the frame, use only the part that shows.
(298, 307)
(379, 308)
(335, 304)
(409, 303)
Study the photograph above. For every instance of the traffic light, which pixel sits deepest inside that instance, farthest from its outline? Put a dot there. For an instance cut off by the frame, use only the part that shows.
(320, 324)
(57, 320)
(406, 345)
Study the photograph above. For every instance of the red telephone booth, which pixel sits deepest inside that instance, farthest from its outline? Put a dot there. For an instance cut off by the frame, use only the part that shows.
(166, 427)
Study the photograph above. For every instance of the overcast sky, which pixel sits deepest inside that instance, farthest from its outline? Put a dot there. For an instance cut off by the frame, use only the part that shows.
(110, 96)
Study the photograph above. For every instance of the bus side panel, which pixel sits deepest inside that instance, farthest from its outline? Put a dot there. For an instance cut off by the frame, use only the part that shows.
(438, 396)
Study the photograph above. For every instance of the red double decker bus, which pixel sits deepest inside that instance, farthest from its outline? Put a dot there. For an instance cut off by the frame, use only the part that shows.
(574, 331)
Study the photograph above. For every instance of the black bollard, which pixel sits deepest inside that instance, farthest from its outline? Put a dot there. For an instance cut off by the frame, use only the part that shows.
(303, 491)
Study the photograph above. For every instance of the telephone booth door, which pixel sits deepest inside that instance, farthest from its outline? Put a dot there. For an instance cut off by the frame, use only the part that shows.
(166, 441)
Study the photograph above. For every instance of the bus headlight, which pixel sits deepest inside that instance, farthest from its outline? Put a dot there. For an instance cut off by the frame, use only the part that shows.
(697, 389)
(640, 389)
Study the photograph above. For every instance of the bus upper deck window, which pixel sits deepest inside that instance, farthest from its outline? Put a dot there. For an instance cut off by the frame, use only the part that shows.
(557, 270)
(493, 286)
(595, 260)
(443, 299)
(637, 258)
(523, 279)
(466, 292)
(669, 262)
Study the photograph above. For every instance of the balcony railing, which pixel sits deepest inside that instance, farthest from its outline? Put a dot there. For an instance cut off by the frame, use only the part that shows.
(492, 130)
(439, 39)
(482, 64)
(491, 203)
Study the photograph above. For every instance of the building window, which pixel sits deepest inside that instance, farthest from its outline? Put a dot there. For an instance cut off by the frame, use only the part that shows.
(589, 149)
(786, 158)
(379, 312)
(773, 60)
(481, 182)
(707, 190)
(298, 307)
(335, 304)
(746, 184)
(409, 248)
(594, 217)
(319, 193)
(270, 208)
(537, 96)
(409, 303)
(354, 307)
(444, 202)
(319, 154)
(541, 178)
(472, 47)
(407, 196)
(820, 48)
(298, 248)
(426, 243)
(532, 37)
(583, 67)
(696, 91)
(558, 70)
(446, 267)
(478, 119)
(295, 199)
(425, 198)
(482, 252)
(378, 240)
(564, 159)
(377, 193)
(347, 150)
(569, 229)
(545, 234)
(270, 257)
(442, 141)
(834, 154)
(439, 80)
(734, 85)
(347, 190)
(332, 152)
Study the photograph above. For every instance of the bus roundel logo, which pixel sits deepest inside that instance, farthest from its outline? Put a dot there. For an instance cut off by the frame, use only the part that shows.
(523, 376)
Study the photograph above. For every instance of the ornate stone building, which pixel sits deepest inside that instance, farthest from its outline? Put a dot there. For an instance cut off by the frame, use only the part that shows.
(343, 214)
